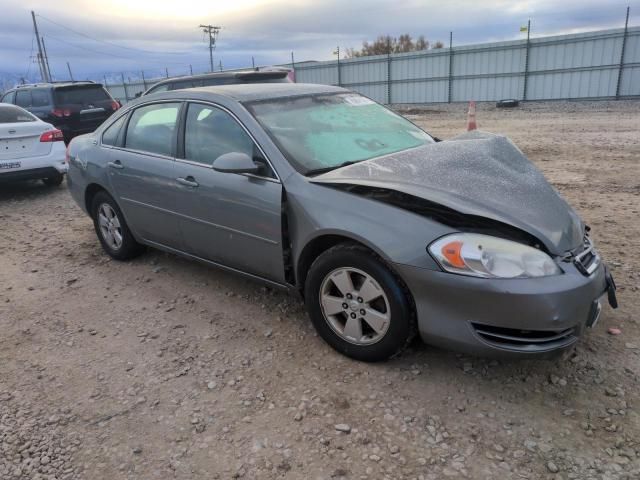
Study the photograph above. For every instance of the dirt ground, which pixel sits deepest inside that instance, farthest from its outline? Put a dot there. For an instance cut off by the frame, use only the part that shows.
(162, 368)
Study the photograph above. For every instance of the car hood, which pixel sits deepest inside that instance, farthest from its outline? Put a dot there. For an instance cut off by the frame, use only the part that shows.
(476, 173)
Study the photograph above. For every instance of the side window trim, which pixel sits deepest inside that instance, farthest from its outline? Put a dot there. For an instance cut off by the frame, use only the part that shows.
(122, 140)
(180, 157)
(120, 137)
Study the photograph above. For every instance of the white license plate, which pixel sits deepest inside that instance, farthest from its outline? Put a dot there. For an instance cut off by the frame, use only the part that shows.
(9, 165)
(16, 145)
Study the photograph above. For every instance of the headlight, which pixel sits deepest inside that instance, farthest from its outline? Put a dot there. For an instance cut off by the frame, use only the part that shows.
(491, 257)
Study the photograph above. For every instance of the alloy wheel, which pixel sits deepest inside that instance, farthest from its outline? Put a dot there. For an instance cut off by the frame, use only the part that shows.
(355, 306)
(110, 227)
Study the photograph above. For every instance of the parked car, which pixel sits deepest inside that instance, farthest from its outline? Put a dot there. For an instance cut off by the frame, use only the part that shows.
(73, 107)
(272, 75)
(30, 149)
(383, 230)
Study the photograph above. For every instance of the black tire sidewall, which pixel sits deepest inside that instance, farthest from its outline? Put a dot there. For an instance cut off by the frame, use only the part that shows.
(402, 320)
(53, 181)
(130, 248)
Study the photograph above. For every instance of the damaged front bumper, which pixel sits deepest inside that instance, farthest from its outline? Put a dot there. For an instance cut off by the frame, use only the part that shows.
(534, 317)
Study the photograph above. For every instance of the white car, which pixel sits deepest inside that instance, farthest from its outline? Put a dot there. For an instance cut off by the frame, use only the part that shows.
(30, 149)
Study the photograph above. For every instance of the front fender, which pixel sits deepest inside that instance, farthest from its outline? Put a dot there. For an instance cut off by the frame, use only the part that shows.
(396, 235)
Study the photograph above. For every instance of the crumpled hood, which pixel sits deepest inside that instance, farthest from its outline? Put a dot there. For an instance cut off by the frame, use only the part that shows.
(476, 173)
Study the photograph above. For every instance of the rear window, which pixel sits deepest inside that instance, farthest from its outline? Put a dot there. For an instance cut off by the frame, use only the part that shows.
(83, 95)
(12, 114)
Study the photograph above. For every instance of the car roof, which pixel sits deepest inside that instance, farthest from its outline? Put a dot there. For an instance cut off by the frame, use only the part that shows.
(235, 74)
(78, 83)
(249, 92)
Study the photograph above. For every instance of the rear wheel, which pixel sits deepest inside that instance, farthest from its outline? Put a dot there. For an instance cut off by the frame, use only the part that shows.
(112, 229)
(358, 305)
(54, 180)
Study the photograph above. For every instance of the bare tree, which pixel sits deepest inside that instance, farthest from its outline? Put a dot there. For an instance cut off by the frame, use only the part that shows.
(437, 45)
(385, 44)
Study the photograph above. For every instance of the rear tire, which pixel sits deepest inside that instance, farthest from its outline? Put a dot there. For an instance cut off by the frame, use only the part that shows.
(54, 180)
(112, 229)
(370, 316)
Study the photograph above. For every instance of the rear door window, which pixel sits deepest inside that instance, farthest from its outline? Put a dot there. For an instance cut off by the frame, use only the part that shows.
(151, 128)
(23, 98)
(40, 98)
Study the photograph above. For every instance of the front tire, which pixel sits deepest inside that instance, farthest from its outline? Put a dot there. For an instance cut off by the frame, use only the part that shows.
(112, 229)
(358, 305)
(54, 180)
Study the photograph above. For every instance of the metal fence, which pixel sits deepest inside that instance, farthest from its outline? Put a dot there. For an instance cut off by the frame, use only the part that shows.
(601, 64)
(126, 91)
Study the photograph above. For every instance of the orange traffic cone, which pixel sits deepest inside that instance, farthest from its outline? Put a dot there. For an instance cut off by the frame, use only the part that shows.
(471, 117)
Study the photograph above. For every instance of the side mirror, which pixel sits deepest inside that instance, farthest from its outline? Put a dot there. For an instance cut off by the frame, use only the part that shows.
(235, 162)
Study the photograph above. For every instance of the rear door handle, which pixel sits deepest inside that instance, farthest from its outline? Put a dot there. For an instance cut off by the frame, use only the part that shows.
(188, 181)
(117, 164)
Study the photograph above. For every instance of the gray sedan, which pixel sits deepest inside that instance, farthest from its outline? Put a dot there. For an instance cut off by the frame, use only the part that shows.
(384, 230)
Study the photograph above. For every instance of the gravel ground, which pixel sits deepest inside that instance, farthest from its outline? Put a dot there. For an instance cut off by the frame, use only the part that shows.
(161, 368)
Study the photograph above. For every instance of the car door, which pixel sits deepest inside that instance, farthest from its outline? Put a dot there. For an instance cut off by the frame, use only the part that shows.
(231, 219)
(142, 172)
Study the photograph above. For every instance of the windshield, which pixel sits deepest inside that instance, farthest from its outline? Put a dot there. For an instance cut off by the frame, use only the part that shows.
(11, 114)
(320, 132)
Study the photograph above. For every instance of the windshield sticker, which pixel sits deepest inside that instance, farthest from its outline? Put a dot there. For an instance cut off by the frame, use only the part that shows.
(357, 100)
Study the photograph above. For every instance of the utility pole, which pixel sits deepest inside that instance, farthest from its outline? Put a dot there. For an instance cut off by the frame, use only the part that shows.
(624, 45)
(70, 74)
(526, 62)
(43, 70)
(293, 67)
(212, 31)
(46, 60)
(337, 52)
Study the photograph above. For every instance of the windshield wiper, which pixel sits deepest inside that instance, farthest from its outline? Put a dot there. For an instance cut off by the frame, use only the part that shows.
(318, 171)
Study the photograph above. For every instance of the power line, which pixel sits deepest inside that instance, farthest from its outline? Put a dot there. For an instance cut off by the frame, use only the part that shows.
(115, 55)
(107, 42)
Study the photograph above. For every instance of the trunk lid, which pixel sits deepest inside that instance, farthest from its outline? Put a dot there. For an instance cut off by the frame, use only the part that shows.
(22, 139)
(476, 173)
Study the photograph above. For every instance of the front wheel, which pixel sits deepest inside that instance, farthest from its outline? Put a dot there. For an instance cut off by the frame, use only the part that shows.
(112, 229)
(358, 305)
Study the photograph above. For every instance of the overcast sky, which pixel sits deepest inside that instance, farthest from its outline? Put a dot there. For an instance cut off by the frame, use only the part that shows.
(153, 34)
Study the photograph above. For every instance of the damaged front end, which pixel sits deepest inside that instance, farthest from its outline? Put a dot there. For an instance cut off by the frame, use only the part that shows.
(442, 214)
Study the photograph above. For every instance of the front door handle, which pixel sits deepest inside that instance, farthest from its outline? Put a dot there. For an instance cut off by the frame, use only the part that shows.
(188, 181)
(117, 164)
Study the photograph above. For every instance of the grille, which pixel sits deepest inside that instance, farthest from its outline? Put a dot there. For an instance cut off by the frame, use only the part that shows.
(588, 260)
(525, 340)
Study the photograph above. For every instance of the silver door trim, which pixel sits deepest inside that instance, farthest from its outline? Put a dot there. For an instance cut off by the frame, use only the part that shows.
(209, 167)
(187, 217)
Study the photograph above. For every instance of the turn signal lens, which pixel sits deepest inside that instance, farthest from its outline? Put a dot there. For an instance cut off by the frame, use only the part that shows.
(491, 257)
(451, 251)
